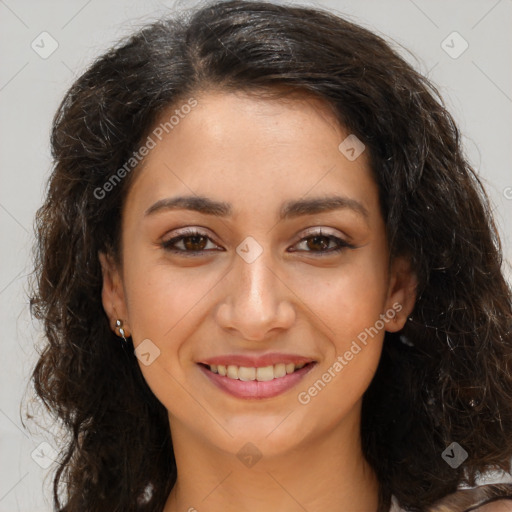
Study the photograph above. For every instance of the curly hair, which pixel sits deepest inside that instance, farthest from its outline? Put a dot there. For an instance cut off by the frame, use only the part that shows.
(451, 382)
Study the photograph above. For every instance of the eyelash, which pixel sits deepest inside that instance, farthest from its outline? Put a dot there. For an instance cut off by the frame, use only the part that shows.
(168, 244)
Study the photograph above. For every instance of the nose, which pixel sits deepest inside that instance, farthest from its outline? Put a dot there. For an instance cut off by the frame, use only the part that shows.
(257, 300)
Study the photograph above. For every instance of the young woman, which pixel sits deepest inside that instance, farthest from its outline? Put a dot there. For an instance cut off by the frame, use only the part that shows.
(268, 277)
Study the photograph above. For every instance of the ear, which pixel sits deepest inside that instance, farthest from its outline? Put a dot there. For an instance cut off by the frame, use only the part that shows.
(401, 297)
(112, 295)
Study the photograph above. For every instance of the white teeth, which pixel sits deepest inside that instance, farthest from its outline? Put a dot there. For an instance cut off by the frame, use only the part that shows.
(232, 372)
(245, 373)
(279, 370)
(261, 374)
(264, 373)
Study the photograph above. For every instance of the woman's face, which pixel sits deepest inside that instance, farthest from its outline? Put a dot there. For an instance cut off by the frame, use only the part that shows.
(263, 197)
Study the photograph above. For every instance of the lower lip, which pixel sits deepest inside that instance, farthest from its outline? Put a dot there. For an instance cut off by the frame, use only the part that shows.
(255, 389)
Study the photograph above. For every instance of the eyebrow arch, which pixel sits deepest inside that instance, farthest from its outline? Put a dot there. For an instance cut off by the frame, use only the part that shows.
(289, 210)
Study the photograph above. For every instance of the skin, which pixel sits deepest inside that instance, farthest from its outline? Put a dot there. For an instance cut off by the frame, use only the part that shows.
(256, 154)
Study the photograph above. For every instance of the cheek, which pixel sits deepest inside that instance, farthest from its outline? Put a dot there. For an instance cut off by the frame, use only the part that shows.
(162, 299)
(349, 309)
(347, 298)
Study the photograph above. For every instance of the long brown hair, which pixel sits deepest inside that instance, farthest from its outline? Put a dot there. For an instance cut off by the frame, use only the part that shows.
(452, 380)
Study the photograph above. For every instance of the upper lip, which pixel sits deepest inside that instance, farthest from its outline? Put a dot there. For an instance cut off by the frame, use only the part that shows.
(256, 361)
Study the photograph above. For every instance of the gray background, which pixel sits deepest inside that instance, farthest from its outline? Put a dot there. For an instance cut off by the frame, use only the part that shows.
(477, 86)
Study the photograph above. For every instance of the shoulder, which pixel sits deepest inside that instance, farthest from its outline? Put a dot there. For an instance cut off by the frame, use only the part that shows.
(502, 505)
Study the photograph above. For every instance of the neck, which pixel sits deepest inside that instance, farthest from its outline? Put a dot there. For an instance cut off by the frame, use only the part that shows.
(328, 473)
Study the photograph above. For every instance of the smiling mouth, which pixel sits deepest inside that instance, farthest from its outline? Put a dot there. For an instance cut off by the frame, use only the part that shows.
(260, 374)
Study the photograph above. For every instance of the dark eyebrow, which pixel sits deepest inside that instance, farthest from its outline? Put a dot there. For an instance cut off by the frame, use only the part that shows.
(196, 203)
(289, 210)
(293, 209)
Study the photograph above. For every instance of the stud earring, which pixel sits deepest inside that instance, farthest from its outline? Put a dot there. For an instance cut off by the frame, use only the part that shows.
(121, 331)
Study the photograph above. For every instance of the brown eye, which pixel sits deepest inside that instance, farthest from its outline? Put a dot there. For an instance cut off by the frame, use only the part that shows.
(323, 244)
(189, 243)
(319, 243)
(195, 243)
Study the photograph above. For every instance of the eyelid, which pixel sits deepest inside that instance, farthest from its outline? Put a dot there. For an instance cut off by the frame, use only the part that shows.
(189, 231)
(320, 231)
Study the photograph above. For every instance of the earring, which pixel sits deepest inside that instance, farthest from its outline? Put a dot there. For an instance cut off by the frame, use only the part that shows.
(121, 331)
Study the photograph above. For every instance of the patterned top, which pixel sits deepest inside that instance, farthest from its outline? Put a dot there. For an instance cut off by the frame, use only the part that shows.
(469, 500)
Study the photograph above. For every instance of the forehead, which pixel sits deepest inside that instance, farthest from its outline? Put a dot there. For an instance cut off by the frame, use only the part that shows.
(250, 149)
